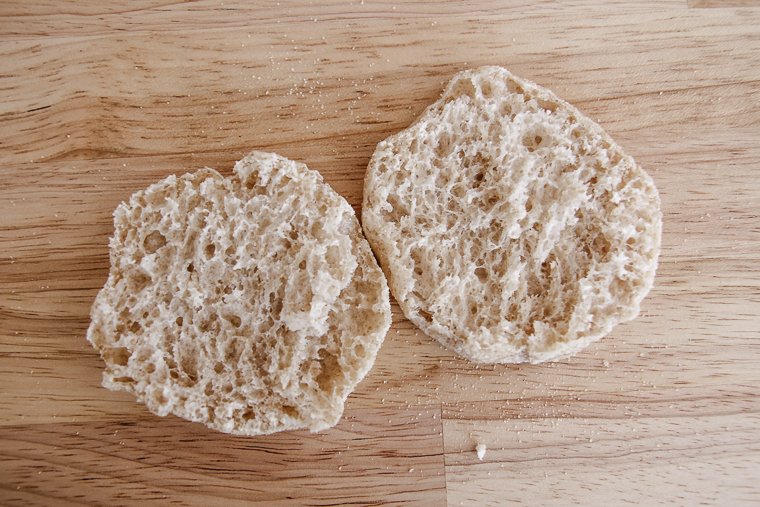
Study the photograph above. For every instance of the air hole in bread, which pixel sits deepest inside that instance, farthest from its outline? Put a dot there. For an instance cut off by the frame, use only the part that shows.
(190, 267)
(234, 320)
(233, 351)
(117, 355)
(463, 87)
(458, 191)
(290, 411)
(286, 356)
(211, 414)
(453, 206)
(618, 286)
(546, 268)
(139, 281)
(586, 249)
(124, 380)
(209, 250)
(276, 305)
(495, 132)
(547, 105)
(189, 367)
(496, 232)
(444, 145)
(415, 255)
(159, 398)
(397, 210)
(400, 176)
(333, 257)
(330, 369)
(153, 242)
(601, 244)
(512, 312)
(150, 368)
(359, 350)
(485, 88)
(480, 161)
(568, 168)
(248, 415)
(317, 231)
(532, 142)
(500, 269)
(252, 180)
(179, 321)
(135, 327)
(512, 85)
(426, 316)
(482, 274)
(283, 182)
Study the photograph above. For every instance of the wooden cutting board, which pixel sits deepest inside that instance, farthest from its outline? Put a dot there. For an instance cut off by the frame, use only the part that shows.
(99, 100)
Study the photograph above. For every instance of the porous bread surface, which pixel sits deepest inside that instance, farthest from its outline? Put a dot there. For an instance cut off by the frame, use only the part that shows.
(252, 304)
(511, 227)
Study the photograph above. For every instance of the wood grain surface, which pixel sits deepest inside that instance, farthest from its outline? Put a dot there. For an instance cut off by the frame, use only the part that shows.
(100, 99)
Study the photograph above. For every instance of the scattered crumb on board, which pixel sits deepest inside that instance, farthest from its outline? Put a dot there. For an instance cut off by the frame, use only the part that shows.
(480, 449)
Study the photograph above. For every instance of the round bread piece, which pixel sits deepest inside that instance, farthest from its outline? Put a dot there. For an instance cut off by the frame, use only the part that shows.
(511, 227)
(251, 304)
